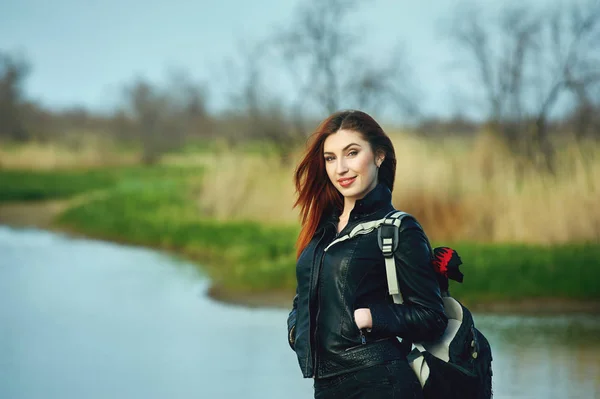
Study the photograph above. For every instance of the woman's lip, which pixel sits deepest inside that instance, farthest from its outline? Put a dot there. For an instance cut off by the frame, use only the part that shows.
(347, 182)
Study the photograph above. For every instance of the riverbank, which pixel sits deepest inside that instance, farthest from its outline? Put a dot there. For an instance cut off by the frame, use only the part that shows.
(243, 274)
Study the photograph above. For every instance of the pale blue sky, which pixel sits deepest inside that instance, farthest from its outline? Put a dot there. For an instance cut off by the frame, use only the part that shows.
(84, 52)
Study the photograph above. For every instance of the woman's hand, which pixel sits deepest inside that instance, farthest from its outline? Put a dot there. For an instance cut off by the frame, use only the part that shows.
(362, 318)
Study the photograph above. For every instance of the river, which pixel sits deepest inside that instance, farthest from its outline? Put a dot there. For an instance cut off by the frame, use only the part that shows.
(88, 319)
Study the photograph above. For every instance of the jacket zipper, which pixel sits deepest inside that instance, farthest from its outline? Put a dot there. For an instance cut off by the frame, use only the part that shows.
(315, 355)
(363, 341)
(318, 306)
(315, 360)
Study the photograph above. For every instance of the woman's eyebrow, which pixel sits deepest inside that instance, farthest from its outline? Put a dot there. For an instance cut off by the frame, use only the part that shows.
(343, 149)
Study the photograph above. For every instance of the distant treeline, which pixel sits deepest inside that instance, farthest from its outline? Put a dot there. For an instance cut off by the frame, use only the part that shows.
(524, 61)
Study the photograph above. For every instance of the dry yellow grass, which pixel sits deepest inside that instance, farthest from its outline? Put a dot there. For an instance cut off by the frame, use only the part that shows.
(459, 190)
(249, 187)
(51, 156)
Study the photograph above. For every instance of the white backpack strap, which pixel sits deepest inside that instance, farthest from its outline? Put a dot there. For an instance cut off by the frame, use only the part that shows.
(387, 237)
(361, 228)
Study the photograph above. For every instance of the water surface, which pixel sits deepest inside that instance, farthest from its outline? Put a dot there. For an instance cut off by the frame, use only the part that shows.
(88, 319)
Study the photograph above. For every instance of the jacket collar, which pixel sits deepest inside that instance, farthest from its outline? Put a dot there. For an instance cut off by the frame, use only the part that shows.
(376, 199)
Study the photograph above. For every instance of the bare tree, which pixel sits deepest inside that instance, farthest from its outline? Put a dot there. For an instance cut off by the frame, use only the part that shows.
(500, 73)
(148, 109)
(525, 60)
(574, 36)
(257, 112)
(374, 86)
(323, 58)
(165, 117)
(189, 104)
(13, 71)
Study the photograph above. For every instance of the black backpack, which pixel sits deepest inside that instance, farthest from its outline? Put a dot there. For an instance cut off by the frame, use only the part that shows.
(459, 363)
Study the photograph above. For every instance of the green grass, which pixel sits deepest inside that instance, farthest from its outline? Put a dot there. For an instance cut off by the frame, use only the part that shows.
(17, 185)
(514, 272)
(157, 207)
(28, 186)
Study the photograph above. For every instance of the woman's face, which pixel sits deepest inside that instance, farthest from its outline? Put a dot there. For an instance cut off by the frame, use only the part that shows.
(351, 164)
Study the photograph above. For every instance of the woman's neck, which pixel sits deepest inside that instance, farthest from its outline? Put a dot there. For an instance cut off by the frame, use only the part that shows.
(348, 206)
(349, 202)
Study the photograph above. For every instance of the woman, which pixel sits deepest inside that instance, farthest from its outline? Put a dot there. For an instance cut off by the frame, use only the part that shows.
(344, 325)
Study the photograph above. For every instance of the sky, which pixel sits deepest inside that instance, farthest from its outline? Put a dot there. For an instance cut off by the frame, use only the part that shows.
(84, 52)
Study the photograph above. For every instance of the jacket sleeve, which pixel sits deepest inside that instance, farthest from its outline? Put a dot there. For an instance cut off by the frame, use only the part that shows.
(291, 322)
(421, 317)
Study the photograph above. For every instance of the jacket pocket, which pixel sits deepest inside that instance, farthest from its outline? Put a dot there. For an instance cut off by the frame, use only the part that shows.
(352, 334)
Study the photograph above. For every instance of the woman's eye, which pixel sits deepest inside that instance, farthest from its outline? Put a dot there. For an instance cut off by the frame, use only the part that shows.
(353, 153)
(328, 159)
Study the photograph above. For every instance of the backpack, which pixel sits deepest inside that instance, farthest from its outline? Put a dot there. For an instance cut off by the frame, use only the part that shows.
(459, 363)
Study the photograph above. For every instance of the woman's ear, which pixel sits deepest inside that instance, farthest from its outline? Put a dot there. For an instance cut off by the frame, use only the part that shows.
(379, 158)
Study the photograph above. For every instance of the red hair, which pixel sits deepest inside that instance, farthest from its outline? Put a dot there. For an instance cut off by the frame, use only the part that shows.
(316, 194)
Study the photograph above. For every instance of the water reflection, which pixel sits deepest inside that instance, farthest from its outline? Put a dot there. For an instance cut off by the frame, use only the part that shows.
(545, 356)
(86, 319)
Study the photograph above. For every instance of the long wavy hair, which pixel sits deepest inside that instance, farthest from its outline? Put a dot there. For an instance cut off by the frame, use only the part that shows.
(316, 194)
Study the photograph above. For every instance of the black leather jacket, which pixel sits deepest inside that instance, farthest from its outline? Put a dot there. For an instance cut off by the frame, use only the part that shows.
(351, 275)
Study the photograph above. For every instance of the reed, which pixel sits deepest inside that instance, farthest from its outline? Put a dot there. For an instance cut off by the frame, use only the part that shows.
(460, 191)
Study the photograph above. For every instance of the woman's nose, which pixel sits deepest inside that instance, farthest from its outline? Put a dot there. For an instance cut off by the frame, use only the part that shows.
(341, 166)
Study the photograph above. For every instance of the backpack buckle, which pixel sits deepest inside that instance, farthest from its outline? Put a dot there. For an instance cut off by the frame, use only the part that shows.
(387, 238)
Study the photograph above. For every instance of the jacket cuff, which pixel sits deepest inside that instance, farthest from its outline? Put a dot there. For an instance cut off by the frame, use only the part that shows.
(380, 315)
